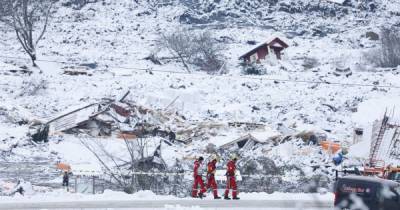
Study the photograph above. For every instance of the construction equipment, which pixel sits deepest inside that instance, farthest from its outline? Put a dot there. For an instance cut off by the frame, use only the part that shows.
(376, 143)
(384, 145)
(378, 169)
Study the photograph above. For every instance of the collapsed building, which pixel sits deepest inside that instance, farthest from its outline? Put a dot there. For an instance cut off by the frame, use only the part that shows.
(121, 119)
(126, 120)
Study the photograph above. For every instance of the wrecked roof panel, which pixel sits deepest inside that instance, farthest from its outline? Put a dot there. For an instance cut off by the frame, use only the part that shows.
(72, 118)
(121, 109)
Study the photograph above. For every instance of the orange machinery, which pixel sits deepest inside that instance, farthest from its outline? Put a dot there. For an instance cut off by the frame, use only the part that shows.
(330, 147)
(378, 169)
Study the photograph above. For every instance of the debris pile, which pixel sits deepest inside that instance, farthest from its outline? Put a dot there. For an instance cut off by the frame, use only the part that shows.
(122, 119)
(261, 135)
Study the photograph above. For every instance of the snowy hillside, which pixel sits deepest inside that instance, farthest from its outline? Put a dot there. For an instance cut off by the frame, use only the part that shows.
(300, 93)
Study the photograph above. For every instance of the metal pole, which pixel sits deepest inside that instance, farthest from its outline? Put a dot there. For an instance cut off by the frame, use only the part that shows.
(336, 174)
(76, 184)
(93, 178)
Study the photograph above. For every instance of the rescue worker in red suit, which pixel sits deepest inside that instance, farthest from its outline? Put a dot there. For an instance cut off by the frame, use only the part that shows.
(231, 179)
(211, 183)
(198, 180)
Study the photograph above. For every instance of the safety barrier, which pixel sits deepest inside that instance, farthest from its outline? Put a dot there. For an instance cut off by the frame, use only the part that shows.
(168, 182)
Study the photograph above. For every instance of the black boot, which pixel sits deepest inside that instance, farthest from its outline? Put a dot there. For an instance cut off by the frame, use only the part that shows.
(236, 198)
(226, 197)
(217, 197)
(201, 195)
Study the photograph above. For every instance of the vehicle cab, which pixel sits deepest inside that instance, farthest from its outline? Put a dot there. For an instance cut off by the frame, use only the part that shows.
(359, 193)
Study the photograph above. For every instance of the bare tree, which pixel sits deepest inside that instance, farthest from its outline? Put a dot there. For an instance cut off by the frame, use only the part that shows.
(208, 56)
(24, 17)
(180, 44)
(122, 167)
(97, 149)
(198, 49)
(118, 169)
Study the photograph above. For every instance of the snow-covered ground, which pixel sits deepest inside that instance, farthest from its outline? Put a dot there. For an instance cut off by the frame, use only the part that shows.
(148, 200)
(118, 35)
(61, 195)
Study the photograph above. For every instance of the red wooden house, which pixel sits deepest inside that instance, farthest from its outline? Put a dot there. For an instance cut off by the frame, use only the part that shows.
(274, 46)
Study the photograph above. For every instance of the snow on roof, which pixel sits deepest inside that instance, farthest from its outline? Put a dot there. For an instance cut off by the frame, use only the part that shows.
(263, 136)
(268, 40)
(71, 117)
(69, 110)
(105, 118)
(273, 36)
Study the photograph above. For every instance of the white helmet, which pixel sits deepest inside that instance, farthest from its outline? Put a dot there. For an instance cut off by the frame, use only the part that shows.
(234, 156)
(215, 157)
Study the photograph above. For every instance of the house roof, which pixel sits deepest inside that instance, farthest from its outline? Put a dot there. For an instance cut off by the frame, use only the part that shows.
(270, 42)
(72, 117)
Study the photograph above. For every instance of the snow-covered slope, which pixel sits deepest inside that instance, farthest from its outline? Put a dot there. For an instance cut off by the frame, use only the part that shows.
(118, 35)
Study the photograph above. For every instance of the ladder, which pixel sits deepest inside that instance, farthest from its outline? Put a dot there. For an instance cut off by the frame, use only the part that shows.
(377, 143)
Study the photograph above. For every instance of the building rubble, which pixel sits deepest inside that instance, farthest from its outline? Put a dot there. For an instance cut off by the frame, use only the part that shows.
(109, 118)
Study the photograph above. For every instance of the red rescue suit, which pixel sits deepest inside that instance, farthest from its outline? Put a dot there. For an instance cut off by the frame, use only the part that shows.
(197, 180)
(231, 179)
(211, 183)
